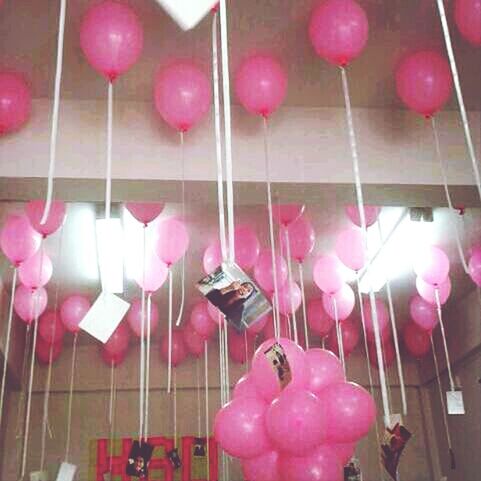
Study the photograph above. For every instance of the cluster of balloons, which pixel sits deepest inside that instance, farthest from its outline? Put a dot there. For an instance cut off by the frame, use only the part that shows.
(305, 432)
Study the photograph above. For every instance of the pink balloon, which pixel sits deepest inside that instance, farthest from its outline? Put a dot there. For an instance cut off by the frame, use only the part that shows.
(432, 265)
(268, 330)
(371, 213)
(416, 340)
(467, 15)
(259, 325)
(388, 353)
(239, 428)
(265, 377)
(50, 327)
(343, 300)
(241, 347)
(73, 310)
(317, 318)
(261, 85)
(423, 313)
(215, 314)
(301, 236)
(328, 274)
(290, 298)
(193, 341)
(350, 338)
(350, 411)
(182, 95)
(201, 321)
(25, 300)
(351, 248)
(262, 468)
(285, 214)
(264, 273)
(18, 240)
(36, 271)
(111, 37)
(424, 82)
(322, 464)
(113, 358)
(42, 351)
(338, 31)
(212, 258)
(324, 369)
(295, 422)
(55, 219)
(179, 349)
(245, 387)
(428, 291)
(15, 102)
(344, 452)
(134, 317)
(474, 267)
(118, 342)
(154, 276)
(382, 318)
(145, 212)
(173, 240)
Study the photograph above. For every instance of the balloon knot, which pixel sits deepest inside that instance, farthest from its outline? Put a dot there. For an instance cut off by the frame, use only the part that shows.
(215, 8)
(461, 209)
(112, 76)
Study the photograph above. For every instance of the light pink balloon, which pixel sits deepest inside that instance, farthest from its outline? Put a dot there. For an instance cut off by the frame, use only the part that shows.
(193, 341)
(214, 313)
(15, 102)
(416, 340)
(212, 258)
(301, 236)
(324, 369)
(36, 271)
(55, 219)
(350, 338)
(245, 387)
(145, 212)
(382, 317)
(134, 317)
(428, 291)
(467, 15)
(179, 349)
(259, 325)
(118, 342)
(344, 300)
(328, 274)
(432, 265)
(424, 82)
(18, 239)
(50, 327)
(351, 248)
(290, 298)
(474, 267)
(27, 300)
(182, 94)
(344, 452)
(114, 359)
(319, 322)
(241, 347)
(423, 313)
(201, 321)
(285, 214)
(261, 85)
(338, 30)
(262, 468)
(42, 351)
(268, 330)
(111, 37)
(154, 276)
(371, 213)
(266, 379)
(173, 240)
(73, 310)
(264, 272)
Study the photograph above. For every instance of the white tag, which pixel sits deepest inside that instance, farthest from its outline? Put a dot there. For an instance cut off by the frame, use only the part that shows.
(39, 476)
(107, 477)
(104, 316)
(395, 419)
(66, 472)
(188, 13)
(455, 402)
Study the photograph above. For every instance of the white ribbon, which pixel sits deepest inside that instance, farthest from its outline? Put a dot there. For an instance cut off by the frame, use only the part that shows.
(207, 427)
(182, 298)
(199, 407)
(111, 399)
(175, 408)
(70, 397)
(340, 341)
(147, 367)
(142, 342)
(169, 365)
(289, 270)
(108, 176)
(304, 313)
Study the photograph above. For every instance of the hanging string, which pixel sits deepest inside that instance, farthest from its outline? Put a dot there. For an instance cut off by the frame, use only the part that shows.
(221, 364)
(452, 211)
(147, 367)
(303, 297)
(23, 392)
(199, 407)
(226, 354)
(207, 427)
(142, 340)
(108, 176)
(247, 351)
(70, 397)
(55, 111)
(289, 270)
(111, 399)
(459, 94)
(169, 364)
(340, 341)
(175, 408)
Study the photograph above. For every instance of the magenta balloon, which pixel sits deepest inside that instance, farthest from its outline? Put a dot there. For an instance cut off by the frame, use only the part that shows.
(424, 82)
(154, 275)
(338, 30)
(173, 240)
(118, 342)
(179, 349)
(50, 327)
(239, 428)
(295, 422)
(73, 310)
(42, 351)
(245, 387)
(301, 237)
(15, 102)
(193, 341)
(241, 347)
(285, 214)
(145, 212)
(26, 300)
(56, 216)
(343, 300)
(324, 369)
(114, 359)
(382, 317)
(351, 248)
(36, 271)
(322, 464)
(350, 412)
(215, 314)
(262, 468)
(111, 37)
(474, 267)
(328, 274)
(432, 265)
(263, 271)
(18, 240)
(388, 353)
(182, 95)
(467, 15)
(134, 317)
(261, 85)
(259, 325)
(371, 213)
(428, 291)
(264, 376)
(344, 452)
(290, 298)
(268, 330)
(317, 318)
(416, 340)
(350, 338)
(201, 321)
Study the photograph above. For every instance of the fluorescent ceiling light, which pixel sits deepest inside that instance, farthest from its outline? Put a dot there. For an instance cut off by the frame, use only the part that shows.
(187, 13)
(110, 253)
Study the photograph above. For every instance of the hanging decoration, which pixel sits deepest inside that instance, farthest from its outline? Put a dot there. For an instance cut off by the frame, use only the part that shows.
(15, 102)
(467, 15)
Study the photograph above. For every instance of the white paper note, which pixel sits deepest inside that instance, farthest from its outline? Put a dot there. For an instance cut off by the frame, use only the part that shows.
(66, 472)
(188, 13)
(455, 402)
(39, 476)
(395, 419)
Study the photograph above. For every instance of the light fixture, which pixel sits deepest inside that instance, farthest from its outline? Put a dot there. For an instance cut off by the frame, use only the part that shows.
(188, 13)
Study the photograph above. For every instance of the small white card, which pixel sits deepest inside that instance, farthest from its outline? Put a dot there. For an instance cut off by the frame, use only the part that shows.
(66, 472)
(455, 402)
(104, 316)
(39, 476)
(395, 419)
(188, 13)
(107, 477)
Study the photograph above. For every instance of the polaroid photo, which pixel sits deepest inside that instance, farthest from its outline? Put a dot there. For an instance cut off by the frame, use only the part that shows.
(39, 476)
(279, 363)
(352, 470)
(139, 459)
(66, 472)
(395, 440)
(199, 447)
(174, 458)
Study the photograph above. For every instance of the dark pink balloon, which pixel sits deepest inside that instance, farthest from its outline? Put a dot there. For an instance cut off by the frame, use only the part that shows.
(324, 369)
(193, 341)
(42, 351)
(145, 212)
(27, 301)
(344, 300)
(423, 313)
(201, 321)
(319, 322)
(268, 330)
(55, 219)
(119, 341)
(36, 271)
(241, 347)
(50, 327)
(173, 240)
(467, 15)
(344, 452)
(371, 213)
(215, 314)
(179, 349)
(261, 85)
(285, 214)
(416, 340)
(15, 102)
(351, 248)
(264, 272)
(245, 387)
(73, 310)
(262, 468)
(290, 298)
(113, 358)
(328, 274)
(475, 267)
(301, 236)
(18, 240)
(428, 291)
(134, 317)
(350, 338)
